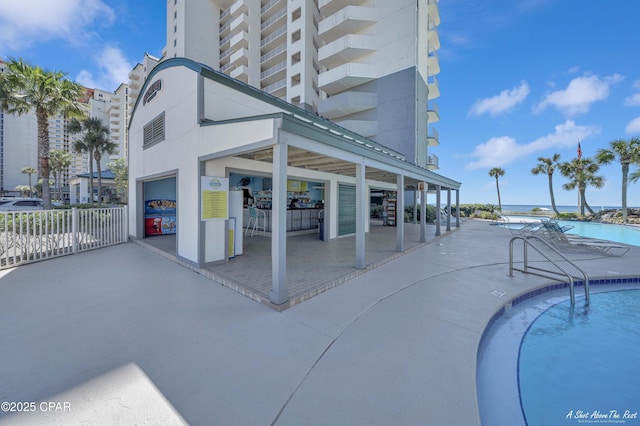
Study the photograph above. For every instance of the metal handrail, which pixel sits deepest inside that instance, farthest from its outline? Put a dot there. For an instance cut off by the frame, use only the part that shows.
(526, 268)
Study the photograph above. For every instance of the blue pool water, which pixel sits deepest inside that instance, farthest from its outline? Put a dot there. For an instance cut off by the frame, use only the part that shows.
(604, 231)
(583, 364)
(546, 363)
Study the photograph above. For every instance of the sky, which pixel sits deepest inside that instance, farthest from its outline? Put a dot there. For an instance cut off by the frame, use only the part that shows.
(520, 79)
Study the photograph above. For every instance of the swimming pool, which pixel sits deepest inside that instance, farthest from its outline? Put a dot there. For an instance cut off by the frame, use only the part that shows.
(619, 233)
(552, 364)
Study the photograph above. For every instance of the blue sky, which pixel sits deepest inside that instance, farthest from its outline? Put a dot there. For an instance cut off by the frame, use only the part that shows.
(519, 79)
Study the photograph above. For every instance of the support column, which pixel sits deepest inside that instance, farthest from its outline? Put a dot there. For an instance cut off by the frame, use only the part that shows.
(400, 213)
(361, 215)
(415, 206)
(448, 209)
(438, 215)
(279, 294)
(423, 212)
(457, 208)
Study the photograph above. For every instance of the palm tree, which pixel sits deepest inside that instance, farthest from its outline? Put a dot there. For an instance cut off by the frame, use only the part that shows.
(582, 173)
(59, 161)
(29, 171)
(625, 153)
(24, 88)
(103, 146)
(548, 166)
(94, 135)
(635, 176)
(24, 190)
(496, 172)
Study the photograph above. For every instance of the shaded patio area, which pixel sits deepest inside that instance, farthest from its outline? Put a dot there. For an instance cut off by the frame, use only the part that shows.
(313, 265)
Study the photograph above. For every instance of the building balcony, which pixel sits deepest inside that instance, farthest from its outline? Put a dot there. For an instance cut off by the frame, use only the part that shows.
(365, 128)
(433, 162)
(349, 20)
(433, 39)
(434, 88)
(239, 57)
(345, 77)
(240, 73)
(433, 114)
(238, 8)
(347, 103)
(345, 49)
(274, 73)
(274, 38)
(239, 41)
(279, 17)
(434, 13)
(277, 89)
(271, 7)
(329, 7)
(433, 138)
(433, 63)
(273, 56)
(241, 23)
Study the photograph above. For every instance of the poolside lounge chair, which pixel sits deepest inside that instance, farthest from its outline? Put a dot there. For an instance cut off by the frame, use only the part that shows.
(555, 235)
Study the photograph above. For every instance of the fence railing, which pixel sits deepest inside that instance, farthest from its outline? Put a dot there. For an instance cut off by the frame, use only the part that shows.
(31, 236)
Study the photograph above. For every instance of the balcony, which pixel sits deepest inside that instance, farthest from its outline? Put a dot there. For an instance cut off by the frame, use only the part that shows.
(345, 77)
(347, 103)
(239, 7)
(278, 17)
(329, 7)
(240, 40)
(271, 7)
(240, 73)
(241, 23)
(239, 57)
(278, 36)
(365, 128)
(433, 162)
(433, 114)
(277, 89)
(350, 20)
(345, 49)
(434, 88)
(434, 13)
(433, 39)
(433, 138)
(273, 56)
(274, 73)
(433, 63)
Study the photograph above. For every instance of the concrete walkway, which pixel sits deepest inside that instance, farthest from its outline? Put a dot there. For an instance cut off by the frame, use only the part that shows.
(123, 336)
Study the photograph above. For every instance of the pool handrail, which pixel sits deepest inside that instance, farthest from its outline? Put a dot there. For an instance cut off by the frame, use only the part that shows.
(526, 268)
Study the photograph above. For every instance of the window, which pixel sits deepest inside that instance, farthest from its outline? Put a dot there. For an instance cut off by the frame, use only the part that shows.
(296, 14)
(296, 36)
(295, 80)
(175, 29)
(295, 58)
(154, 131)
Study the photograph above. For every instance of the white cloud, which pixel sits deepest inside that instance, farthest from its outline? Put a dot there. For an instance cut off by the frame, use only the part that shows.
(580, 94)
(114, 69)
(633, 126)
(23, 22)
(636, 85)
(633, 100)
(499, 151)
(505, 101)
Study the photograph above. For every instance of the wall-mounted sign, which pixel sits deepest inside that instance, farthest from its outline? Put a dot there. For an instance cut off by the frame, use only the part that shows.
(152, 91)
(214, 194)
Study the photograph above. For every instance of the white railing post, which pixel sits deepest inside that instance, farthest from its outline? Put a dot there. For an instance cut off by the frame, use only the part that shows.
(74, 230)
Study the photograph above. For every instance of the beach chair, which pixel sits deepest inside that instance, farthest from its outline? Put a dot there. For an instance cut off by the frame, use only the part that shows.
(555, 235)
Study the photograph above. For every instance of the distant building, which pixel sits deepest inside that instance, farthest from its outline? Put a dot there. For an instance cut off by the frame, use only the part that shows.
(19, 137)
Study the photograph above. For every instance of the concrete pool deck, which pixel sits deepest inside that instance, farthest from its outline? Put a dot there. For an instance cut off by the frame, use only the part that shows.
(121, 335)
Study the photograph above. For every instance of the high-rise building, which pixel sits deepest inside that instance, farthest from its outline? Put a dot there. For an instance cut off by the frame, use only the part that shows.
(19, 137)
(367, 65)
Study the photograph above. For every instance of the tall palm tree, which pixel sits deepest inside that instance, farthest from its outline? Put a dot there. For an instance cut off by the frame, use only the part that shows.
(548, 166)
(625, 152)
(94, 134)
(103, 146)
(497, 172)
(25, 88)
(582, 173)
(59, 161)
(29, 171)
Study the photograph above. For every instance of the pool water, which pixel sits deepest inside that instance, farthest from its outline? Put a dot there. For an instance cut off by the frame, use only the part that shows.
(619, 233)
(545, 363)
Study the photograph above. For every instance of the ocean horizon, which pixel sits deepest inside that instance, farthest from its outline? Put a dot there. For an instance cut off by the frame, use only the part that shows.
(562, 209)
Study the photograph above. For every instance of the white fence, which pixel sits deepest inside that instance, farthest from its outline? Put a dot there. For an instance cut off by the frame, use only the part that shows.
(31, 236)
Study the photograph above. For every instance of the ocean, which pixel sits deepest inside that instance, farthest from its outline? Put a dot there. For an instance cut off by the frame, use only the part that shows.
(526, 208)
